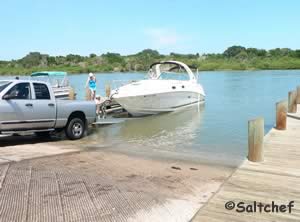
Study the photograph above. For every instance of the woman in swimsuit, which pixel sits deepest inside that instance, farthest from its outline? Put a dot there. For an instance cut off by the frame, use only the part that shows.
(91, 83)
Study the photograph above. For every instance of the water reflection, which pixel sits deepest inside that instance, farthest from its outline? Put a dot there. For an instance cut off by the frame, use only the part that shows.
(168, 130)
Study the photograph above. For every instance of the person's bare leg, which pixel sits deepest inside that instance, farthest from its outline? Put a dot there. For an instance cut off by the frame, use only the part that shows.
(90, 94)
(98, 110)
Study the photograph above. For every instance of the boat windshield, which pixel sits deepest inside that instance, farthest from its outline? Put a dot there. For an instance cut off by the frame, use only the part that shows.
(168, 71)
(3, 85)
(55, 81)
(174, 76)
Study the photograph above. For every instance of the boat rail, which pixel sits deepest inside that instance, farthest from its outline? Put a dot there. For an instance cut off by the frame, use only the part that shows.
(115, 84)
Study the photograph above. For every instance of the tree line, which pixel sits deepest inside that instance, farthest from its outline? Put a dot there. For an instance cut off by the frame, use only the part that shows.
(233, 58)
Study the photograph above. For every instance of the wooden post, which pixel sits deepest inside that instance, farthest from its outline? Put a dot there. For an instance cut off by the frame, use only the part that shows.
(71, 94)
(292, 106)
(281, 111)
(88, 95)
(298, 95)
(256, 140)
(107, 90)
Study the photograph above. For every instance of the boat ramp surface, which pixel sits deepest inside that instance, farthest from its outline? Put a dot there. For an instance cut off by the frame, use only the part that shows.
(104, 186)
(86, 184)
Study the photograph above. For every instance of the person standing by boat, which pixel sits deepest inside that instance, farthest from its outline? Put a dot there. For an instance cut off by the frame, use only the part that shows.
(91, 84)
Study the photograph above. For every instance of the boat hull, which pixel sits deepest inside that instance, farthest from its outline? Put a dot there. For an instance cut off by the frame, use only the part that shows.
(161, 102)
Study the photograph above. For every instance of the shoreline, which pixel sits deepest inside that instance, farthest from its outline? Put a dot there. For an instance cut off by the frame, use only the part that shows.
(137, 72)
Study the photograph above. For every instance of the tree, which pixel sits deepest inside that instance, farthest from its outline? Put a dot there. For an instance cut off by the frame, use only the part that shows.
(149, 53)
(297, 53)
(145, 58)
(74, 58)
(280, 52)
(51, 60)
(113, 57)
(233, 51)
(32, 59)
(242, 55)
(183, 56)
(253, 52)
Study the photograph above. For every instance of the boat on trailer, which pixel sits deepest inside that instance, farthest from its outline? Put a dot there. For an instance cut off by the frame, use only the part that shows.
(58, 80)
(171, 85)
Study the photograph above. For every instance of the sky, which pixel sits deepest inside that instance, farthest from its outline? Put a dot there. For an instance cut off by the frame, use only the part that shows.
(61, 27)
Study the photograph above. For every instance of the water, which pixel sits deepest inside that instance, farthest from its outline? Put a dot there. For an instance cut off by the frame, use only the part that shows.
(215, 132)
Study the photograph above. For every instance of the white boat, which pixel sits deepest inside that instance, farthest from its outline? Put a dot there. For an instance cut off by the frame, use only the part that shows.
(171, 85)
(58, 80)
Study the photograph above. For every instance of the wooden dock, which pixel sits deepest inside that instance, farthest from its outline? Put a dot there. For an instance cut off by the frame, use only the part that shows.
(295, 115)
(276, 179)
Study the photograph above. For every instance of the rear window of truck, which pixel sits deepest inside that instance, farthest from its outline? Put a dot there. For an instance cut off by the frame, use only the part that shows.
(41, 91)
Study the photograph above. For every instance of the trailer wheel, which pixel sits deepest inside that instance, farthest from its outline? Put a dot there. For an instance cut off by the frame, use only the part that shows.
(75, 129)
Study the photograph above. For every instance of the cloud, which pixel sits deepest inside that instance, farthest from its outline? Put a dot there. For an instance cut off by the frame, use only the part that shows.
(162, 37)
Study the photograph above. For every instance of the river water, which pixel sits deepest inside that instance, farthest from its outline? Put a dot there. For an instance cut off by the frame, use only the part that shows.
(215, 132)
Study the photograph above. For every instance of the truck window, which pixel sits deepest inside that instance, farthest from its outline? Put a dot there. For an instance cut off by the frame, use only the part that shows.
(3, 85)
(19, 91)
(41, 91)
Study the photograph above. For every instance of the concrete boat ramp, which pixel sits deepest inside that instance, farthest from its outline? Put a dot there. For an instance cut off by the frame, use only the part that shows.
(17, 148)
(55, 181)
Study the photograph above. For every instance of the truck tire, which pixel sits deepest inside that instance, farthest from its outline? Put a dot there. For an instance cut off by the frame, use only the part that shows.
(75, 129)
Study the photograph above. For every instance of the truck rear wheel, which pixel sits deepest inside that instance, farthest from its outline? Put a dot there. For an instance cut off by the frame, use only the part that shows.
(75, 129)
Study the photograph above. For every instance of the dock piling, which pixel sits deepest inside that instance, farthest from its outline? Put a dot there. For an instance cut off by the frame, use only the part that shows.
(292, 105)
(71, 94)
(256, 140)
(298, 95)
(107, 90)
(88, 95)
(281, 114)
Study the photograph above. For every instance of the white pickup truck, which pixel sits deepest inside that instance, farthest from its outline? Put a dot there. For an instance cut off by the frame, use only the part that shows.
(27, 105)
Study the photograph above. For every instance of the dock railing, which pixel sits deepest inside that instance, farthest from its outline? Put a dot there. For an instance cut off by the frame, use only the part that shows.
(118, 83)
(114, 84)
